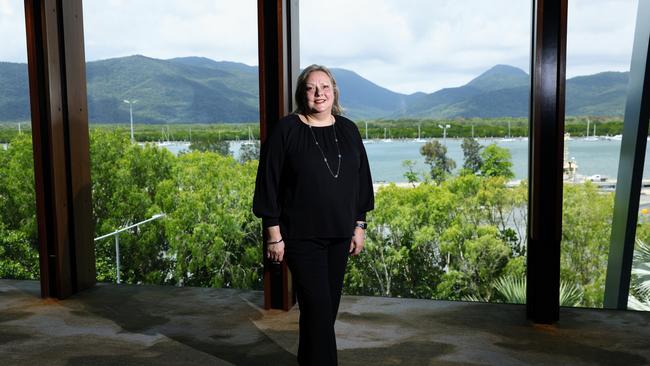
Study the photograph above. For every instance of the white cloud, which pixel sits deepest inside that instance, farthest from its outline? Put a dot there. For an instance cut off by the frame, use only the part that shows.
(600, 36)
(404, 45)
(12, 30)
(221, 30)
(430, 44)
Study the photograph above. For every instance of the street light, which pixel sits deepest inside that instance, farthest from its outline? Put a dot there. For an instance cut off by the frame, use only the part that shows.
(444, 133)
(131, 103)
(117, 232)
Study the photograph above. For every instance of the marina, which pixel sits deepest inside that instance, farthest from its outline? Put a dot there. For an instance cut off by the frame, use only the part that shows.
(597, 160)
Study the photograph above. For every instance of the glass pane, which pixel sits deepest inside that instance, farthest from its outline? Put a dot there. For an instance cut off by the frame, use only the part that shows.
(18, 229)
(439, 91)
(174, 107)
(598, 60)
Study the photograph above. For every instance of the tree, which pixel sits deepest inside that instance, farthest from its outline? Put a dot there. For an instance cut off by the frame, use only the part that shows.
(435, 155)
(125, 182)
(214, 238)
(496, 162)
(18, 230)
(249, 151)
(586, 229)
(472, 155)
(440, 241)
(210, 143)
(410, 175)
(18, 255)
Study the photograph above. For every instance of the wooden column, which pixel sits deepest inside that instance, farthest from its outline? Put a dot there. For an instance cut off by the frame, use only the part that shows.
(546, 147)
(279, 65)
(57, 83)
(630, 167)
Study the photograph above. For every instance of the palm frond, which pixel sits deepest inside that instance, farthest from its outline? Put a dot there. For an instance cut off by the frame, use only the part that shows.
(474, 298)
(636, 304)
(570, 294)
(512, 289)
(641, 268)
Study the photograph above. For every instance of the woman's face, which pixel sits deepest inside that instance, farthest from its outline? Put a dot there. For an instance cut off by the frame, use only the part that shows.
(320, 92)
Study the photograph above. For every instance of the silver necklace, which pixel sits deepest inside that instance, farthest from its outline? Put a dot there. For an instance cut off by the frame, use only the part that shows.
(338, 150)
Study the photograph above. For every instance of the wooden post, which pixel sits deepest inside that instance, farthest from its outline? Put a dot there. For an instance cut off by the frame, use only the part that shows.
(279, 65)
(546, 147)
(57, 83)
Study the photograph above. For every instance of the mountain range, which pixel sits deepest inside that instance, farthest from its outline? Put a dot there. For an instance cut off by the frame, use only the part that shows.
(201, 90)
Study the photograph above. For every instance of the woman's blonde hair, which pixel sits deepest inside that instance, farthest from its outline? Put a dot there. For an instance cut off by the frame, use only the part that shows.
(301, 90)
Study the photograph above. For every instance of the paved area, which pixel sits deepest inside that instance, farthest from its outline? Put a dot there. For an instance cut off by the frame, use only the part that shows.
(155, 325)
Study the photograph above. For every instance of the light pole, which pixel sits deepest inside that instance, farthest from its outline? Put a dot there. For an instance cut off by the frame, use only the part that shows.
(444, 133)
(116, 233)
(131, 103)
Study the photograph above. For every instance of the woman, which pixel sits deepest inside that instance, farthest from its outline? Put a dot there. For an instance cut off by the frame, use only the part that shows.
(312, 192)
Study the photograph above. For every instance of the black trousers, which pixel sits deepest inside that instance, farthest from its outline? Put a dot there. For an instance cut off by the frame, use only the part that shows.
(317, 267)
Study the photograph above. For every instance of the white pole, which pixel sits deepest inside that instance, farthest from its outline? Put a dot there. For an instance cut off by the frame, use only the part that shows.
(131, 117)
(131, 103)
(117, 257)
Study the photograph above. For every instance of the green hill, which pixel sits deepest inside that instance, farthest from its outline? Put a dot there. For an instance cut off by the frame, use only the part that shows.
(201, 90)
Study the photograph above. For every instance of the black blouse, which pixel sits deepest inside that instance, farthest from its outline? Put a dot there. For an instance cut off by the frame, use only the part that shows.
(295, 189)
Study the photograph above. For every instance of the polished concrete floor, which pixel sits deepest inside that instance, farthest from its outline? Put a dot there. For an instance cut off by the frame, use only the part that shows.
(153, 325)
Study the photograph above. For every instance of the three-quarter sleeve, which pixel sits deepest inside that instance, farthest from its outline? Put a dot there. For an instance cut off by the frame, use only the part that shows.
(267, 184)
(366, 199)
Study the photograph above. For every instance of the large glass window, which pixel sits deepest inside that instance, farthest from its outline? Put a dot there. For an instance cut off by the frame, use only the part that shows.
(439, 91)
(18, 229)
(174, 112)
(598, 60)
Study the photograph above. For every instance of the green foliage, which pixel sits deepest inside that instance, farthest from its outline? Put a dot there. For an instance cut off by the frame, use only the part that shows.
(641, 269)
(18, 256)
(435, 155)
(472, 155)
(459, 238)
(437, 241)
(213, 236)
(512, 289)
(410, 174)
(586, 230)
(497, 162)
(18, 230)
(570, 294)
(211, 144)
(125, 181)
(639, 298)
(249, 151)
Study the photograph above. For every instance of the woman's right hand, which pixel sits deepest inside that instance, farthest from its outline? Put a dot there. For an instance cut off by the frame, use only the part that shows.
(274, 252)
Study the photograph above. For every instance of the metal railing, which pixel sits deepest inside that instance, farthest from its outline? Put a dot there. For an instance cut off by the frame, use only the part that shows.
(116, 233)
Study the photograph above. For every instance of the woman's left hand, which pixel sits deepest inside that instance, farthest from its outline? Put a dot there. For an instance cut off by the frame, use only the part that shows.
(357, 242)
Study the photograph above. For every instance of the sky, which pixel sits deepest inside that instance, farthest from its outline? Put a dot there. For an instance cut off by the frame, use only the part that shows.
(403, 45)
